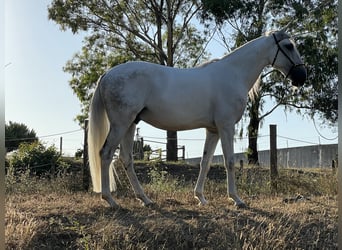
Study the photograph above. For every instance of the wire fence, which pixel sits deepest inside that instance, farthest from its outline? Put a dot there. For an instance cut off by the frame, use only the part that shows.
(73, 141)
(159, 153)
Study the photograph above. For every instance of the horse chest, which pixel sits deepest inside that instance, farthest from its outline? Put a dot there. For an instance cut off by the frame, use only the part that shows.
(231, 102)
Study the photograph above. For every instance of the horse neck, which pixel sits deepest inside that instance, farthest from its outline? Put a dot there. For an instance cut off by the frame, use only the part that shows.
(253, 57)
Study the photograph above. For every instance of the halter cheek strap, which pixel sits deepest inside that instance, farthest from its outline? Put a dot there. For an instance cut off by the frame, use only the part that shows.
(276, 55)
(294, 65)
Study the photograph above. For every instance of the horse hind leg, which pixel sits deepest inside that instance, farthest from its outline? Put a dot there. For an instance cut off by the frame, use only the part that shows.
(107, 153)
(126, 156)
(209, 148)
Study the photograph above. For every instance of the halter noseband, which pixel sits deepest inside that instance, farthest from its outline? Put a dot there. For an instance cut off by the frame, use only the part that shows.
(294, 65)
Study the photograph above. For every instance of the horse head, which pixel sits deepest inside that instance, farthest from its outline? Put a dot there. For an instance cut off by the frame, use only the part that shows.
(287, 58)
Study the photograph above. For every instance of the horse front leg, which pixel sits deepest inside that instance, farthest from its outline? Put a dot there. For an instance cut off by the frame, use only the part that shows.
(209, 148)
(227, 140)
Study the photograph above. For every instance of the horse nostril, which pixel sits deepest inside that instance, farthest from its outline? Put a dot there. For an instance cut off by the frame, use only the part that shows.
(298, 76)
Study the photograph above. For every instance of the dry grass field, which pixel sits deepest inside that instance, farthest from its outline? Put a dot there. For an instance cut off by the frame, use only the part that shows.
(55, 214)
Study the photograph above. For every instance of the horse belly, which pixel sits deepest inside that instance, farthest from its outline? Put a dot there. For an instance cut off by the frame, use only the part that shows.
(179, 104)
(175, 119)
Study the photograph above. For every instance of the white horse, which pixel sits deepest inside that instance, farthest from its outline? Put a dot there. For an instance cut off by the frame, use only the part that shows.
(212, 96)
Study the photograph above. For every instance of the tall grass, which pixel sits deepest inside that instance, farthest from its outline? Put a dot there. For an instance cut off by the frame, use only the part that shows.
(25, 183)
(53, 213)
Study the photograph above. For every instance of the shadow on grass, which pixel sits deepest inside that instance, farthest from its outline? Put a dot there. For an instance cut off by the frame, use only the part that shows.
(173, 225)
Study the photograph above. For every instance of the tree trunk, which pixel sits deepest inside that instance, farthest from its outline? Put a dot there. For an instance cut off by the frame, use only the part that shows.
(253, 158)
(171, 147)
(166, 59)
(253, 131)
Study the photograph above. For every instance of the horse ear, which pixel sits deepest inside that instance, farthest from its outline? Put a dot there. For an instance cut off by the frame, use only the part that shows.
(281, 34)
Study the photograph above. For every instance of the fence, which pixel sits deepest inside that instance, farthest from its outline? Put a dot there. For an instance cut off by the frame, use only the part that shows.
(151, 155)
(161, 154)
(318, 156)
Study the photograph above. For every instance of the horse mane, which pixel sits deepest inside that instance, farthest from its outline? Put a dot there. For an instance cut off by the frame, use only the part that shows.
(254, 91)
(281, 34)
(270, 32)
(208, 62)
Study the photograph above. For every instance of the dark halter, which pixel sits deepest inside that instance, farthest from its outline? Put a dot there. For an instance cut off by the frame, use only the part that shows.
(294, 65)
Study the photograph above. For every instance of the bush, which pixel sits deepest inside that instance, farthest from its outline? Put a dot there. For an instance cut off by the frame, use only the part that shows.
(36, 159)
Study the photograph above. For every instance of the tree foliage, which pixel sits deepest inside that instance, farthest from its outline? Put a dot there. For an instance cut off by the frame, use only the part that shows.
(121, 30)
(17, 133)
(317, 37)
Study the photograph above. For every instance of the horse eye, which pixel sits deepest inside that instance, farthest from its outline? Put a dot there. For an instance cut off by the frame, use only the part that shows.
(289, 46)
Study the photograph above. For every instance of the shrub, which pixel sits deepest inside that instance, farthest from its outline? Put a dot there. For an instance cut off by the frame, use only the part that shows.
(162, 181)
(36, 159)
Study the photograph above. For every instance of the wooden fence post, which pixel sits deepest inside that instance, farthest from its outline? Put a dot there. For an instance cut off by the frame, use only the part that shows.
(241, 165)
(61, 145)
(333, 166)
(86, 170)
(273, 156)
(53, 169)
(183, 152)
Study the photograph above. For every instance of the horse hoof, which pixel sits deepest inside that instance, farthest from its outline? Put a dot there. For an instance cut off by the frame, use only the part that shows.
(241, 205)
(114, 206)
(108, 198)
(150, 205)
(203, 203)
(145, 202)
(202, 200)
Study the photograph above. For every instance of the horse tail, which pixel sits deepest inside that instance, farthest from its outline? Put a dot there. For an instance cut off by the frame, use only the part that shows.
(98, 129)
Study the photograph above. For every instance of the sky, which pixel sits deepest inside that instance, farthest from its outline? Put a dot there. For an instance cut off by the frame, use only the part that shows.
(37, 92)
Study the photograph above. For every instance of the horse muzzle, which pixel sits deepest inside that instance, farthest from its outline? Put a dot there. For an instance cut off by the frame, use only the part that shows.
(297, 75)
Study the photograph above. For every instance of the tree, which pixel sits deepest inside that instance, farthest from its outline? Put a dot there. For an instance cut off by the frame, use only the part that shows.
(17, 133)
(318, 45)
(314, 23)
(156, 31)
